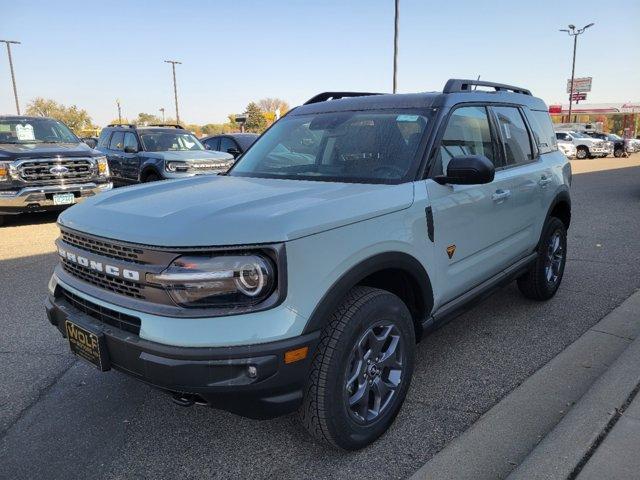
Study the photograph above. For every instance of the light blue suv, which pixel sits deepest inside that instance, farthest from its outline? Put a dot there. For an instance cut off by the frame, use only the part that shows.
(303, 278)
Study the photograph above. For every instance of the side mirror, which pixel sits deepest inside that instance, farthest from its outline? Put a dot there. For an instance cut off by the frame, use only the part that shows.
(91, 142)
(130, 149)
(233, 151)
(468, 170)
(207, 147)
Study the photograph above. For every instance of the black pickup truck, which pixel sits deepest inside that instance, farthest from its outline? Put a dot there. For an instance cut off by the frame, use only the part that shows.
(45, 166)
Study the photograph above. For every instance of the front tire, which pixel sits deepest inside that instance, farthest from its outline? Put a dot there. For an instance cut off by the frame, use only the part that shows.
(152, 177)
(618, 152)
(582, 153)
(361, 370)
(542, 280)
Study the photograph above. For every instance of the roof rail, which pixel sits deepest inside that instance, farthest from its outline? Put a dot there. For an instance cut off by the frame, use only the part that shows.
(128, 125)
(457, 85)
(165, 125)
(324, 96)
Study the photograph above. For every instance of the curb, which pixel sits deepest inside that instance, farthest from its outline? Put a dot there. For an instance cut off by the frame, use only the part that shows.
(505, 436)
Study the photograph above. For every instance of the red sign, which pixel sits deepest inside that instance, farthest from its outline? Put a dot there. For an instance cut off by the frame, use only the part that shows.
(578, 96)
(555, 108)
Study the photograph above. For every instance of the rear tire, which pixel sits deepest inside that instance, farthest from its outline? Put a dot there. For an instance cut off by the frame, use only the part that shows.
(542, 280)
(361, 370)
(618, 152)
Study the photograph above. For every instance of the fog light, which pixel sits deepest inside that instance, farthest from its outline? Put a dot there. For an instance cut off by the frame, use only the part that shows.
(252, 371)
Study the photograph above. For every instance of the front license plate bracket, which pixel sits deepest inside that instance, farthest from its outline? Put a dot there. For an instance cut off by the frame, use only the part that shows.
(89, 344)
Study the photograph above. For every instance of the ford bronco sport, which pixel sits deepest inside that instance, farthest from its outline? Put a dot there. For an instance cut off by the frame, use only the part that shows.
(44, 166)
(149, 153)
(303, 278)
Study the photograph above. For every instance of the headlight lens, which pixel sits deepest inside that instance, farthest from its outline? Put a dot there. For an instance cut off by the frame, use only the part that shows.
(4, 171)
(221, 281)
(103, 166)
(177, 167)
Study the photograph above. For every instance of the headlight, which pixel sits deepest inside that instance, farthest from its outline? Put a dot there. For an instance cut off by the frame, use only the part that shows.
(4, 171)
(220, 281)
(103, 166)
(177, 167)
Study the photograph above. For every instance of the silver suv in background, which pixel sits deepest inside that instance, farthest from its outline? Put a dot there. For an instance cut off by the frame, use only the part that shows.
(45, 166)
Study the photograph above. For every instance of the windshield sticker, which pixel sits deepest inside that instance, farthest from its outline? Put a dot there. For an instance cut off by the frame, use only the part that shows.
(406, 118)
(25, 132)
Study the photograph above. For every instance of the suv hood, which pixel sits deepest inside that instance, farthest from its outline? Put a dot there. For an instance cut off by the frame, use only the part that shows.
(33, 150)
(188, 155)
(221, 210)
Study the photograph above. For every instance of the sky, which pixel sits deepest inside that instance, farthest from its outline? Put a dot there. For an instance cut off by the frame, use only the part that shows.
(232, 52)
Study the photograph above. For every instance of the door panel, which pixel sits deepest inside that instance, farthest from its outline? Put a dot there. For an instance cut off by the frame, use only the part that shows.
(114, 155)
(130, 161)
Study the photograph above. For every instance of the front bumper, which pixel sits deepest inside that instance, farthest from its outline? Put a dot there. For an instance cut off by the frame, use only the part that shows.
(40, 198)
(217, 375)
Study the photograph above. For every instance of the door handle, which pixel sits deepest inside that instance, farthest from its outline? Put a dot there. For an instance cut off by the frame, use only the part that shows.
(544, 181)
(500, 195)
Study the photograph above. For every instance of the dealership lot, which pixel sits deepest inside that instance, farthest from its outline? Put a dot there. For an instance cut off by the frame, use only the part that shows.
(69, 421)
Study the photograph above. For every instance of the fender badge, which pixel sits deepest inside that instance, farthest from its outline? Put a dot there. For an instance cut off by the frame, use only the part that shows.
(451, 249)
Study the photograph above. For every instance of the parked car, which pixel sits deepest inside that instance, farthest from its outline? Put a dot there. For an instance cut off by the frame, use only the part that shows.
(615, 143)
(157, 152)
(233, 143)
(586, 146)
(568, 148)
(44, 166)
(302, 279)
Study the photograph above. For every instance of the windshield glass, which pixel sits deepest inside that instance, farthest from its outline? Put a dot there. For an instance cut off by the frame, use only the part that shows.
(613, 136)
(364, 146)
(36, 130)
(580, 135)
(169, 141)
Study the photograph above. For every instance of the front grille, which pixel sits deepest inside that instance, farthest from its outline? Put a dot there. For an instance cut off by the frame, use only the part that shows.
(102, 247)
(102, 314)
(74, 169)
(99, 279)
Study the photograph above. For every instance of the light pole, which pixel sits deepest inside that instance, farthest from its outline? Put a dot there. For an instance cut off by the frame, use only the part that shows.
(119, 111)
(175, 88)
(395, 45)
(162, 111)
(574, 32)
(13, 77)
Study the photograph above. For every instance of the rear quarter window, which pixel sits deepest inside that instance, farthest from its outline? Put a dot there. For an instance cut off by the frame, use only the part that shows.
(543, 131)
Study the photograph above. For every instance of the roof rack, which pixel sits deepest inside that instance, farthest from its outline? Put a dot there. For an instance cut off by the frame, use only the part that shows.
(128, 125)
(165, 125)
(324, 96)
(457, 85)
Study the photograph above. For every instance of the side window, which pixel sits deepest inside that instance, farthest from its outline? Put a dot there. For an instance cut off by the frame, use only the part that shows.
(515, 138)
(130, 140)
(213, 144)
(467, 133)
(103, 140)
(563, 136)
(226, 144)
(117, 141)
(542, 130)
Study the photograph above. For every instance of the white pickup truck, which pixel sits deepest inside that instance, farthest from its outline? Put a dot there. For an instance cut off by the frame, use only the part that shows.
(586, 146)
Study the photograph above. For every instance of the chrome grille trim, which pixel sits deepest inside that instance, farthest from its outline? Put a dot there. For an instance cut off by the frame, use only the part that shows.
(37, 170)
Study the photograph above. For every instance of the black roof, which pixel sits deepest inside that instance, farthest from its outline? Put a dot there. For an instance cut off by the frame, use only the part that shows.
(232, 135)
(455, 91)
(24, 117)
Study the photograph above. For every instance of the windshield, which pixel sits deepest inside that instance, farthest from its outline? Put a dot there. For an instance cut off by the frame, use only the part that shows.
(169, 141)
(580, 135)
(35, 130)
(613, 136)
(365, 146)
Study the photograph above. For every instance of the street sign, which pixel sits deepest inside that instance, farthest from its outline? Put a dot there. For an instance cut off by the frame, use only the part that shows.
(580, 84)
(578, 96)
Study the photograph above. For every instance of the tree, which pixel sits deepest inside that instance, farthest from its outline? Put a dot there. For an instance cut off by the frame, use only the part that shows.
(255, 119)
(75, 118)
(270, 105)
(146, 119)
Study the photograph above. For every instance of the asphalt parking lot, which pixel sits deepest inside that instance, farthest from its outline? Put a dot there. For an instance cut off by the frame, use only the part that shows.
(60, 418)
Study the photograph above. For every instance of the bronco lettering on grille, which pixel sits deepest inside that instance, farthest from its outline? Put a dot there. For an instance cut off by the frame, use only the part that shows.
(99, 267)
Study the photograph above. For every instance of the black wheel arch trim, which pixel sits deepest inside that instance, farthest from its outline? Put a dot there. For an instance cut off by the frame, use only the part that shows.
(561, 196)
(382, 261)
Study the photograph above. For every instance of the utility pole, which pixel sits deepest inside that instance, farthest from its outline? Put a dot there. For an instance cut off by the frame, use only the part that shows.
(395, 45)
(119, 111)
(162, 111)
(574, 32)
(13, 76)
(175, 87)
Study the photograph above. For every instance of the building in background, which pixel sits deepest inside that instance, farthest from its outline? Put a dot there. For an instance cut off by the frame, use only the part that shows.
(619, 118)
